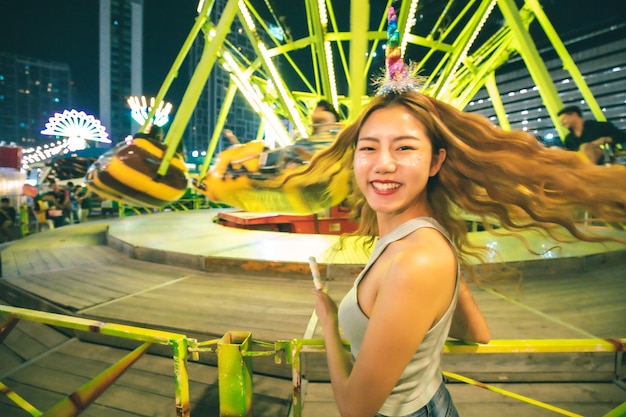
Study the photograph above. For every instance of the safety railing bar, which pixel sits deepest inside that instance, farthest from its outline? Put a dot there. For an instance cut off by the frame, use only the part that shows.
(510, 394)
(180, 344)
(19, 401)
(6, 327)
(292, 349)
(511, 346)
(538, 346)
(180, 351)
(93, 326)
(299, 346)
(75, 403)
(619, 411)
(296, 375)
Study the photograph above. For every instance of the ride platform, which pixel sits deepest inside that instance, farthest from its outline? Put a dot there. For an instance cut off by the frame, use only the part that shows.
(184, 272)
(334, 222)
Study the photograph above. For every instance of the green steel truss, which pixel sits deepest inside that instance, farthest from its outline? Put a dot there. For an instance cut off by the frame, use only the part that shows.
(458, 50)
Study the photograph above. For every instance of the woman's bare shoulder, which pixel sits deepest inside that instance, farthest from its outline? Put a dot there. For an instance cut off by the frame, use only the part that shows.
(425, 250)
(422, 244)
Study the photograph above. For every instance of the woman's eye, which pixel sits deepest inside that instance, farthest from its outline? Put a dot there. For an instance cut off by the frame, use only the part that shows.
(406, 148)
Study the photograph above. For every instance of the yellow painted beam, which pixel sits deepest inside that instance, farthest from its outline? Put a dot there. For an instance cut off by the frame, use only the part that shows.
(196, 84)
(568, 65)
(539, 346)
(359, 21)
(511, 394)
(496, 101)
(19, 401)
(536, 67)
(75, 403)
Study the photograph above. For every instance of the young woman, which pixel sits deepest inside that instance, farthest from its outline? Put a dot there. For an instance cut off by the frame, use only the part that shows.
(417, 163)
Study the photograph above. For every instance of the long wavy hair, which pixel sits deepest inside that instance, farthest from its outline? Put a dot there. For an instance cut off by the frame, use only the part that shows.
(493, 174)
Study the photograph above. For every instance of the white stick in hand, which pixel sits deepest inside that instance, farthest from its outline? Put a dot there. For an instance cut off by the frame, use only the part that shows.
(315, 271)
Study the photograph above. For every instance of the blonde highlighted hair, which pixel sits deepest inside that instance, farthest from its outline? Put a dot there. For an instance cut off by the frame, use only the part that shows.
(492, 174)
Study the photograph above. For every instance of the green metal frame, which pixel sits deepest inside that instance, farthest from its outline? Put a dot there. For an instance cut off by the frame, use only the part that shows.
(85, 395)
(455, 77)
(235, 356)
(199, 77)
(235, 374)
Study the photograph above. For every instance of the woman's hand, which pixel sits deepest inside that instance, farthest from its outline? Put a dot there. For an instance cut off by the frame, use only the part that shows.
(326, 310)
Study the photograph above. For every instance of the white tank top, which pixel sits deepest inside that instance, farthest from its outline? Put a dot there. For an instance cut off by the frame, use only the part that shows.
(422, 377)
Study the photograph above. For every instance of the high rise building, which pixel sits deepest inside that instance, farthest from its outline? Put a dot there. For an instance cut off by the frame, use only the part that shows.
(31, 91)
(121, 54)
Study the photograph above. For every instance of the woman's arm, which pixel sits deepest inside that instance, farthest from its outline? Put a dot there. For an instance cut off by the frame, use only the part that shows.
(415, 289)
(339, 362)
(468, 322)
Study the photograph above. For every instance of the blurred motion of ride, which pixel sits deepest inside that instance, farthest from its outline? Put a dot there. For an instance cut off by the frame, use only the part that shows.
(257, 179)
(128, 173)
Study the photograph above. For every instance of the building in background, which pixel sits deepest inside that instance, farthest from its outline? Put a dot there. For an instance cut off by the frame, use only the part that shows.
(31, 91)
(120, 66)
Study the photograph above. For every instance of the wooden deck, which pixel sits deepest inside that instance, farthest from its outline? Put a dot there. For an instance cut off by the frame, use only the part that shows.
(183, 273)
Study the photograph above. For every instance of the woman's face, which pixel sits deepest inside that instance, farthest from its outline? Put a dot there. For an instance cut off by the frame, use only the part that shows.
(393, 161)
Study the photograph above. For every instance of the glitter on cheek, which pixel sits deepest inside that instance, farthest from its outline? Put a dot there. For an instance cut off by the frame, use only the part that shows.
(411, 160)
(360, 159)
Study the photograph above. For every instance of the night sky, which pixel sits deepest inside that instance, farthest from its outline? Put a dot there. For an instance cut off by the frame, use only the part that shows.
(67, 31)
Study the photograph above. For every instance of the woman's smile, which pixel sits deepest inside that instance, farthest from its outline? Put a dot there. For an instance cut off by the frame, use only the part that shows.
(385, 187)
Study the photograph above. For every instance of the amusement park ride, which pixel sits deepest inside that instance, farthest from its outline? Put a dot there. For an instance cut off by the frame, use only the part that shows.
(451, 47)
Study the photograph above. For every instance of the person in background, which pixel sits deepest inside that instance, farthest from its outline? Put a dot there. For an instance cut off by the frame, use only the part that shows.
(325, 122)
(7, 218)
(58, 204)
(71, 212)
(325, 117)
(596, 140)
(83, 197)
(228, 134)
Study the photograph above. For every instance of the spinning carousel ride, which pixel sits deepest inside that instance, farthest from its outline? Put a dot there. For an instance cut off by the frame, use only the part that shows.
(323, 50)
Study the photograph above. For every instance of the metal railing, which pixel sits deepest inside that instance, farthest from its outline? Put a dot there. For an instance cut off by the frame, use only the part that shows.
(234, 362)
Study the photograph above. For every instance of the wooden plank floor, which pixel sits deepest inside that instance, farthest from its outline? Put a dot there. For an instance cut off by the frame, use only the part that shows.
(583, 399)
(160, 272)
